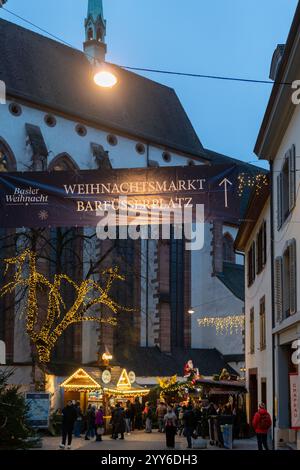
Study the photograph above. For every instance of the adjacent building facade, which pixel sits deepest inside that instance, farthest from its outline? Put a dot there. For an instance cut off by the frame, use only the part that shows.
(272, 279)
(254, 241)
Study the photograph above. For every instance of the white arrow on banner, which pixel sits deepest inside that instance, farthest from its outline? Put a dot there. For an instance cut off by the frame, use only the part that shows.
(225, 183)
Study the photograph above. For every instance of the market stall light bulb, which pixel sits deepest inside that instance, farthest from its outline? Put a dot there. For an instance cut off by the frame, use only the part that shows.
(105, 79)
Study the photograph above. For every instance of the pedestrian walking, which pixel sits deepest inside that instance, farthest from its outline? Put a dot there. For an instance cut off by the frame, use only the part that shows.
(148, 415)
(69, 416)
(180, 420)
(189, 424)
(90, 419)
(170, 421)
(138, 415)
(132, 416)
(261, 424)
(128, 419)
(99, 423)
(160, 413)
(118, 422)
(78, 422)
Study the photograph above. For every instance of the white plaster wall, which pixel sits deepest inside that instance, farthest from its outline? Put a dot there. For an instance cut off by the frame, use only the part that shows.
(63, 138)
(210, 298)
(262, 360)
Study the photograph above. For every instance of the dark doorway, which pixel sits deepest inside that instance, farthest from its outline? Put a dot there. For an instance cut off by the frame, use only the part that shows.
(253, 393)
(264, 391)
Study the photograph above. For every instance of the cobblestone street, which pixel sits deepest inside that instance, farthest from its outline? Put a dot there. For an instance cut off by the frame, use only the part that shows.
(138, 440)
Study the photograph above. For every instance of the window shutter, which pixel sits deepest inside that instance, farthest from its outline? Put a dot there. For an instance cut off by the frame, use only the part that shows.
(264, 243)
(254, 261)
(292, 177)
(279, 201)
(278, 289)
(257, 255)
(293, 277)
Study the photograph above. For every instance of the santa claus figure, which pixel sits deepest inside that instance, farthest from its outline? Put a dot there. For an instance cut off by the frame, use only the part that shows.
(190, 372)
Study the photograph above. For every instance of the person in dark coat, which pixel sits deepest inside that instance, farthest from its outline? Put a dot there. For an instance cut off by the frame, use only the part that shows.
(99, 422)
(78, 422)
(138, 415)
(118, 422)
(69, 417)
(133, 416)
(189, 420)
(90, 418)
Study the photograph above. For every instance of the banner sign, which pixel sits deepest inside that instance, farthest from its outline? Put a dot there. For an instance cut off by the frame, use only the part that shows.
(81, 198)
(295, 400)
(38, 409)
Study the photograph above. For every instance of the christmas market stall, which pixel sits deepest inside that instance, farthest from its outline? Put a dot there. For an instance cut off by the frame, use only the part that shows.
(102, 387)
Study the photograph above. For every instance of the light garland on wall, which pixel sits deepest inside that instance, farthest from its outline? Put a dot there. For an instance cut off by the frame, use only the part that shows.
(44, 332)
(245, 180)
(229, 325)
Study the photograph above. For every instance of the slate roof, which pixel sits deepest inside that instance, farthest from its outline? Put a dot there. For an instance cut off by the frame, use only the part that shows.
(48, 73)
(233, 278)
(151, 362)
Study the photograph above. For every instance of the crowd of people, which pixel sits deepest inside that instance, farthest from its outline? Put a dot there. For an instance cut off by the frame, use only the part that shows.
(190, 420)
(91, 424)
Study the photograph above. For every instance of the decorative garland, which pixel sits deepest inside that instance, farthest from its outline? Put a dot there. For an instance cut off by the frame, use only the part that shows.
(228, 325)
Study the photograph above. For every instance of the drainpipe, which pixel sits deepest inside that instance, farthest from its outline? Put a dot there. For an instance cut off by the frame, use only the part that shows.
(273, 297)
(147, 273)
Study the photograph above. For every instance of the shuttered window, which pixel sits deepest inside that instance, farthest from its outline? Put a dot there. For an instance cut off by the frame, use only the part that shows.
(262, 323)
(286, 282)
(251, 264)
(286, 187)
(261, 248)
(278, 289)
(292, 177)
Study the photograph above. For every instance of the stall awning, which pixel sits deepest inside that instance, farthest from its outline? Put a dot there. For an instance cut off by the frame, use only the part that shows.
(113, 381)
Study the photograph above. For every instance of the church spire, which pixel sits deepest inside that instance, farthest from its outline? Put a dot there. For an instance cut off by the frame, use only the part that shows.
(95, 31)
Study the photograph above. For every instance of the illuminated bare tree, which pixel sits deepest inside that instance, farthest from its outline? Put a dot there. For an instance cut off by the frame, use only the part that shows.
(44, 332)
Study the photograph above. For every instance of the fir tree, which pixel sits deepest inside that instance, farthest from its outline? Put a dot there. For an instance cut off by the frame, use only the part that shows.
(13, 410)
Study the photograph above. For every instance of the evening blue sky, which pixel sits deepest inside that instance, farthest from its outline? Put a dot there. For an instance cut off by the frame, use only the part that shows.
(216, 37)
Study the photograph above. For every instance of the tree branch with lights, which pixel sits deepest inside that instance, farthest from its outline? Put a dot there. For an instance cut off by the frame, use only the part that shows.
(45, 332)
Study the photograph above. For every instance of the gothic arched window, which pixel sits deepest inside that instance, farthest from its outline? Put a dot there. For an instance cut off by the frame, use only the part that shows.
(228, 248)
(7, 159)
(63, 162)
(99, 35)
(90, 34)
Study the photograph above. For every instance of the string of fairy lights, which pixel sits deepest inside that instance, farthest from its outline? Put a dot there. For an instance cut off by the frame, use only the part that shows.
(230, 324)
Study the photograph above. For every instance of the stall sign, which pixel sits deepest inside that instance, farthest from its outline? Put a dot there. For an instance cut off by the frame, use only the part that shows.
(295, 400)
(38, 409)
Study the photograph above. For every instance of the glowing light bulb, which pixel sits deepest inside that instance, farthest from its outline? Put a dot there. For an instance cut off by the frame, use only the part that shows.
(105, 79)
